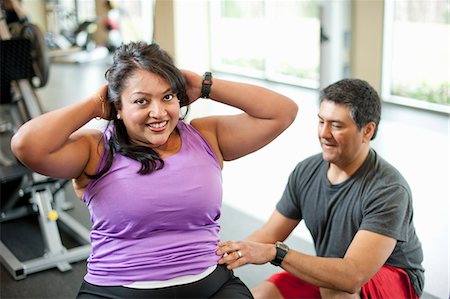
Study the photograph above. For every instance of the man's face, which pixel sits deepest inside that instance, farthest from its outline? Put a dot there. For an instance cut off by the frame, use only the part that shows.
(341, 140)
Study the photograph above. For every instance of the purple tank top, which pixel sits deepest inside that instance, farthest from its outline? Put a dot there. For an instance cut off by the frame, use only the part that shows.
(157, 226)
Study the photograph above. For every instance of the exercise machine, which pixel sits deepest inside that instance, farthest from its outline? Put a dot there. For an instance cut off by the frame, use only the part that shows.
(24, 67)
(70, 40)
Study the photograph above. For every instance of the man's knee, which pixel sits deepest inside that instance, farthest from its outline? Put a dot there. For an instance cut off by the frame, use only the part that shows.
(266, 290)
(331, 294)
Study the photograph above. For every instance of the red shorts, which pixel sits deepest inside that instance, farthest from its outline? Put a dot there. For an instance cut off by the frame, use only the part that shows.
(388, 282)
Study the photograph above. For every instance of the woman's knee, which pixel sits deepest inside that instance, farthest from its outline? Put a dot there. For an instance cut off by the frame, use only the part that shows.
(234, 288)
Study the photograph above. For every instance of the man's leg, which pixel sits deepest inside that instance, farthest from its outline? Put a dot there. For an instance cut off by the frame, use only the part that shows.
(331, 294)
(266, 290)
(389, 282)
(285, 285)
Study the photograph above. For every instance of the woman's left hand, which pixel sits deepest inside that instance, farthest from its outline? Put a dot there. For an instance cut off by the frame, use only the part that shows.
(193, 85)
(239, 253)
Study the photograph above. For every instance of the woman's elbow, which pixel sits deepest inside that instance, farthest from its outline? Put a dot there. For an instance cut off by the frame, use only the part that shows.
(21, 148)
(293, 112)
(17, 145)
(289, 114)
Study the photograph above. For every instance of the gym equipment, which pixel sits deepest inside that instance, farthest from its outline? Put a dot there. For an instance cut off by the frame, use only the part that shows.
(24, 193)
(39, 52)
(72, 41)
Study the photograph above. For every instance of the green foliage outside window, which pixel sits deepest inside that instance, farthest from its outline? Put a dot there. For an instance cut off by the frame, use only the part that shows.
(424, 91)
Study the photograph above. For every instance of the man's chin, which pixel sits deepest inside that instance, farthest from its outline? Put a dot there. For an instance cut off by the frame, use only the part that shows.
(327, 157)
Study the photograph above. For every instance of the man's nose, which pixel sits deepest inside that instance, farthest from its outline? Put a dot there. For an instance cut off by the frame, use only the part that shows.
(324, 131)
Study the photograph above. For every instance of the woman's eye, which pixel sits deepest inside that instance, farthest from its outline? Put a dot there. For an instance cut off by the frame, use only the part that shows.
(168, 97)
(141, 101)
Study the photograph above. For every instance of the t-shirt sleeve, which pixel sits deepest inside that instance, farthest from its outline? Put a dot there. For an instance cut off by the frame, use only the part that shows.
(288, 204)
(388, 211)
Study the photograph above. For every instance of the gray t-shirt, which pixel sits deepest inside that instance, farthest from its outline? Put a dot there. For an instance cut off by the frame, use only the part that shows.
(375, 198)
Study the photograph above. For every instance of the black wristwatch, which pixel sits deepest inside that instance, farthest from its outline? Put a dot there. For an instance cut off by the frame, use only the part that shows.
(282, 250)
(206, 85)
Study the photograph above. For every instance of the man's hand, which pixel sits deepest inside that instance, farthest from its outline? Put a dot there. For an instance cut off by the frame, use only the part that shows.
(238, 253)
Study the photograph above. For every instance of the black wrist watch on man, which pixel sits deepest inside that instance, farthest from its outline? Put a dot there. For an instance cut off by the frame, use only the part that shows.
(206, 85)
(282, 250)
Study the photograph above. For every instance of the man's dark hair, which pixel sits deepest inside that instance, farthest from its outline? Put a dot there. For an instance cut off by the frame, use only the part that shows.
(129, 58)
(361, 98)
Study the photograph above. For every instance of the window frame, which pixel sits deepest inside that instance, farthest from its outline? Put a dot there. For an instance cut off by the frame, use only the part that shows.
(386, 78)
(267, 74)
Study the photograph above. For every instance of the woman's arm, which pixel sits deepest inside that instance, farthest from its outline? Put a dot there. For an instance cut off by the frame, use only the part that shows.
(266, 115)
(50, 143)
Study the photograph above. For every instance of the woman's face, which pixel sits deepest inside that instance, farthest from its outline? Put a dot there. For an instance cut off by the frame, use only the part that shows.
(150, 110)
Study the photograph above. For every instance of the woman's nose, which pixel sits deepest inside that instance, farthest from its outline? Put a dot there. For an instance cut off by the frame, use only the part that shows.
(156, 110)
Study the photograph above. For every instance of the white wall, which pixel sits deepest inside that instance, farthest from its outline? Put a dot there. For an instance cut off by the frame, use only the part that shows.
(417, 143)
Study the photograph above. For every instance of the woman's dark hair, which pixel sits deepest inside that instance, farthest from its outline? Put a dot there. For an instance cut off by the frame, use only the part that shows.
(361, 98)
(128, 58)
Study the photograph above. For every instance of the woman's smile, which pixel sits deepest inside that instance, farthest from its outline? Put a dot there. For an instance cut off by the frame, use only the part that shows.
(158, 126)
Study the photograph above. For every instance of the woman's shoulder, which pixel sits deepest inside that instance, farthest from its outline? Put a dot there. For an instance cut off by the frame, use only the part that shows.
(205, 127)
(95, 139)
(91, 142)
(195, 126)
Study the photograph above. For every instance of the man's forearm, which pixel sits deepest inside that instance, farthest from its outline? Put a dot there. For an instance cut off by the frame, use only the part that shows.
(330, 273)
(261, 236)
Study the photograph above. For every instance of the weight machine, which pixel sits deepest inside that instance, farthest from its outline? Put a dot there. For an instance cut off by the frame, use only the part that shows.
(24, 67)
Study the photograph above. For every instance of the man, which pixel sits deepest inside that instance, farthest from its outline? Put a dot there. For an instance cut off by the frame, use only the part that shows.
(357, 207)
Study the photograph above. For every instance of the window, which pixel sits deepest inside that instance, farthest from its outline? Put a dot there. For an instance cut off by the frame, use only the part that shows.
(273, 40)
(416, 54)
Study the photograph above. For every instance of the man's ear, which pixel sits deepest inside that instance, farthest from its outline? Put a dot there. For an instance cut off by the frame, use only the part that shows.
(368, 131)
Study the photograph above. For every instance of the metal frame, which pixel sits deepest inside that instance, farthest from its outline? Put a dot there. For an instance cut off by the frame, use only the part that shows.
(55, 255)
(44, 200)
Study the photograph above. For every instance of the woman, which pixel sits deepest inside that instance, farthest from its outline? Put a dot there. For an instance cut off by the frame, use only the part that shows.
(151, 181)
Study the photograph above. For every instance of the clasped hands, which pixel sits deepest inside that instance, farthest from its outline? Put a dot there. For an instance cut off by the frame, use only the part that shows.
(239, 253)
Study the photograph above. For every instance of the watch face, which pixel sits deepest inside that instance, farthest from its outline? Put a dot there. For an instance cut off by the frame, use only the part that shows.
(282, 250)
(282, 246)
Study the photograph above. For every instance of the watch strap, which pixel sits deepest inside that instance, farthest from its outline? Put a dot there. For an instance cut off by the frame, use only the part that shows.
(206, 85)
(282, 250)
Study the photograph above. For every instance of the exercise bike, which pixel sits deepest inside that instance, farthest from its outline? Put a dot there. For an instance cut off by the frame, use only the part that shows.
(25, 67)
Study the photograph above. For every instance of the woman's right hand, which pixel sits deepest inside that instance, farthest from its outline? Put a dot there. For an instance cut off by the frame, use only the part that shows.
(104, 110)
(54, 143)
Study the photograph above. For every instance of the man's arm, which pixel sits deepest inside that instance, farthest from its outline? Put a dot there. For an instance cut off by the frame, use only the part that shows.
(277, 228)
(365, 256)
(258, 248)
